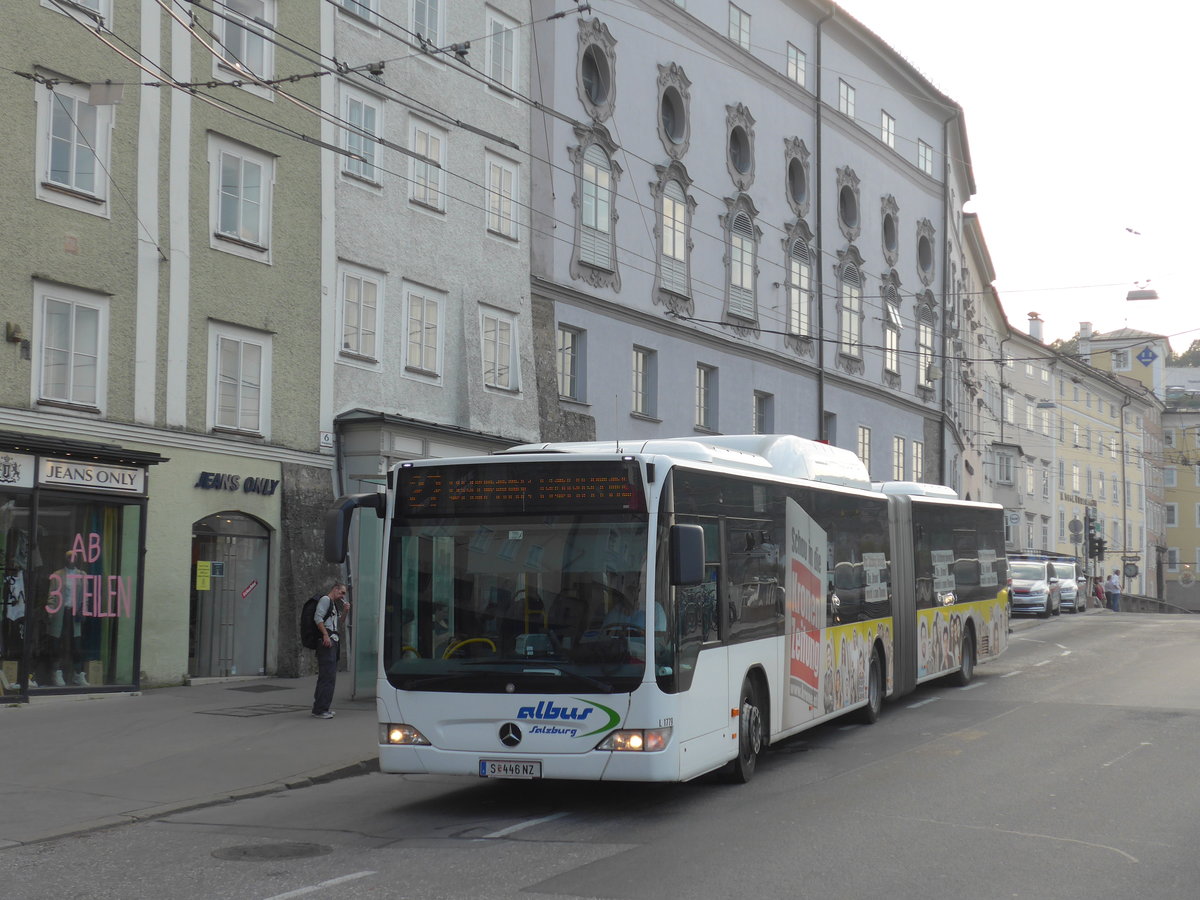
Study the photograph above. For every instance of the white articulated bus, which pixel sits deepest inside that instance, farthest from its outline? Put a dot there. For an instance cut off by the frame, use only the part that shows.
(653, 611)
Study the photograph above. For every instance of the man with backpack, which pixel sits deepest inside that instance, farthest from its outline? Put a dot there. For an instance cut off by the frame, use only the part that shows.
(325, 617)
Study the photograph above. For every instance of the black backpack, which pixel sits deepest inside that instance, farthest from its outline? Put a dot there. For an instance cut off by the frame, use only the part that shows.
(310, 635)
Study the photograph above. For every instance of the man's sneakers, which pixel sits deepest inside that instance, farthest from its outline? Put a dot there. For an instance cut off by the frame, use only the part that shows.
(328, 714)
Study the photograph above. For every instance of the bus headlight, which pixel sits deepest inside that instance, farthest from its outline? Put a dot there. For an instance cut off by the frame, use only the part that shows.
(648, 740)
(401, 734)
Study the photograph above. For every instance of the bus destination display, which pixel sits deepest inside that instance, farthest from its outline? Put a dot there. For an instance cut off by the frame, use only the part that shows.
(520, 488)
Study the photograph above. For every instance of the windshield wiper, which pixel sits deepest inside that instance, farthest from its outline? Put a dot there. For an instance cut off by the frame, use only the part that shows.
(531, 666)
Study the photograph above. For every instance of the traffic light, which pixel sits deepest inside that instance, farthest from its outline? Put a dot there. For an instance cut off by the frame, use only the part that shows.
(1101, 546)
(1093, 539)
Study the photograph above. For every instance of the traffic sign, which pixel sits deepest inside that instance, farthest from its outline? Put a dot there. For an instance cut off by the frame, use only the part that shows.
(1147, 356)
(1075, 527)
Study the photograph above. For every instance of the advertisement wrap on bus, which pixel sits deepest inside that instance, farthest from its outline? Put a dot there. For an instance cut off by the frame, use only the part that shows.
(656, 611)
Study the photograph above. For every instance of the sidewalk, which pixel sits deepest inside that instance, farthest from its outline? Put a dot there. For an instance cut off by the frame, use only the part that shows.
(77, 763)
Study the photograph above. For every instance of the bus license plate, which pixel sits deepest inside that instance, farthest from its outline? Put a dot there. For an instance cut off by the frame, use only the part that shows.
(509, 768)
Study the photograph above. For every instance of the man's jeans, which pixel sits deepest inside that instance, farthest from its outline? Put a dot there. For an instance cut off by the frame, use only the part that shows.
(327, 660)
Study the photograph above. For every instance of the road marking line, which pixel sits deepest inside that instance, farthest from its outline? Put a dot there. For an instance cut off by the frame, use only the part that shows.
(522, 825)
(1011, 674)
(923, 702)
(1130, 753)
(1044, 662)
(300, 892)
(1065, 653)
(971, 687)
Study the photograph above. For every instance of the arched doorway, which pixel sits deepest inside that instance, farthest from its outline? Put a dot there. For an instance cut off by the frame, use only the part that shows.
(227, 632)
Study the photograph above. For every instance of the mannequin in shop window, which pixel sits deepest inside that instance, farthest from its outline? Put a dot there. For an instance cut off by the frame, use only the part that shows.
(63, 639)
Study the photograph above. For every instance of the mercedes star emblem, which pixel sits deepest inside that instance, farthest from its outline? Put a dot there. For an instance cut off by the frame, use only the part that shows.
(510, 734)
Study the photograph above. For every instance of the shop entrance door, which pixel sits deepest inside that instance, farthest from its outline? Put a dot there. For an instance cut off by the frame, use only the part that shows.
(228, 627)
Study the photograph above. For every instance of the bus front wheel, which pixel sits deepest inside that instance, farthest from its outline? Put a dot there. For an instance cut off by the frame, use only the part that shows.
(750, 733)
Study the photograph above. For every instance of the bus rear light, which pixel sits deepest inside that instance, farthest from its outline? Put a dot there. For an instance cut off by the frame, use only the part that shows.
(649, 740)
(404, 735)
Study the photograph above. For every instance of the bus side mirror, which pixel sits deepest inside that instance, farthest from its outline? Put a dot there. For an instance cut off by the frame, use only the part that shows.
(687, 554)
(337, 521)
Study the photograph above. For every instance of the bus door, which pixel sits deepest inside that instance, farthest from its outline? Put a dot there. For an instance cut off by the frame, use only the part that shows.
(702, 677)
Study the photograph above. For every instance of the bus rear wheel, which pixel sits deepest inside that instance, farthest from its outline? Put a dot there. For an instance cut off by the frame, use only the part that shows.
(750, 734)
(870, 713)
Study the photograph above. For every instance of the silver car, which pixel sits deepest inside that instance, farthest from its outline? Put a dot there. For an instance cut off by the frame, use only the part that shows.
(1034, 587)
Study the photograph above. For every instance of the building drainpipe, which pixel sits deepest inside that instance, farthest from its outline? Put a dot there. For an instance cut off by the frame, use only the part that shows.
(819, 168)
(1124, 487)
(946, 293)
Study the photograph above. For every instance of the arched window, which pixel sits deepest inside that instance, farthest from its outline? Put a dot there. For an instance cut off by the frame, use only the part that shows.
(850, 312)
(596, 245)
(799, 290)
(674, 261)
(741, 267)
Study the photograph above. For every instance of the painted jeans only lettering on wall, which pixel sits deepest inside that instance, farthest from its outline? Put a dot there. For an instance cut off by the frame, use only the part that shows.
(220, 481)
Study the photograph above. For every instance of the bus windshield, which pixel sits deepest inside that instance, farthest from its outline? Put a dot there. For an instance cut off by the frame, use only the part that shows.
(503, 596)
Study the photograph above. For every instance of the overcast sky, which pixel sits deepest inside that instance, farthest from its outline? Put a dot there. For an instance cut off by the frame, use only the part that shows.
(1082, 124)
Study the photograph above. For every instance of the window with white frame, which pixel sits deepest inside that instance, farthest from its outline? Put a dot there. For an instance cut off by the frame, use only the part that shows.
(360, 312)
(423, 345)
(645, 377)
(89, 12)
(887, 128)
(864, 446)
(925, 357)
(1100, 489)
(897, 458)
(1171, 514)
(797, 64)
(571, 358)
(1197, 516)
(1009, 411)
(502, 197)
(799, 290)
(850, 311)
(742, 267)
(764, 413)
(1030, 416)
(70, 352)
(364, 125)
(242, 42)
(368, 10)
(240, 385)
(845, 98)
(1170, 477)
(739, 26)
(1076, 478)
(242, 181)
(706, 397)
(502, 49)
(1172, 559)
(499, 334)
(1004, 468)
(596, 238)
(1029, 479)
(427, 175)
(1169, 437)
(1045, 483)
(918, 460)
(673, 263)
(73, 145)
(925, 157)
(428, 18)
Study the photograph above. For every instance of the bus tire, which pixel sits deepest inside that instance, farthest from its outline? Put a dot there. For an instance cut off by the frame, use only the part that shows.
(966, 670)
(750, 734)
(869, 714)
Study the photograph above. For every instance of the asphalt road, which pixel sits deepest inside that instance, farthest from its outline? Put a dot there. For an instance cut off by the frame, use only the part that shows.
(1066, 770)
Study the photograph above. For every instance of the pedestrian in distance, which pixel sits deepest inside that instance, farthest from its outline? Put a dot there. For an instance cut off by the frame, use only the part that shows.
(329, 612)
(1098, 592)
(1112, 590)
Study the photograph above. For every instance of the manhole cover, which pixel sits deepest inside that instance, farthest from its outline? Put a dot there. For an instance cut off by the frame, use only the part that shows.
(286, 850)
(259, 688)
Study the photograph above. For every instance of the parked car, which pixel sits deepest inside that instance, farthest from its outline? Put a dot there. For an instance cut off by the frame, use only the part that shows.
(1034, 587)
(1072, 595)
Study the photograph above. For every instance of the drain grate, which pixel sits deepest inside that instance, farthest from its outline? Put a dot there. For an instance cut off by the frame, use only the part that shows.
(259, 688)
(262, 709)
(285, 850)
